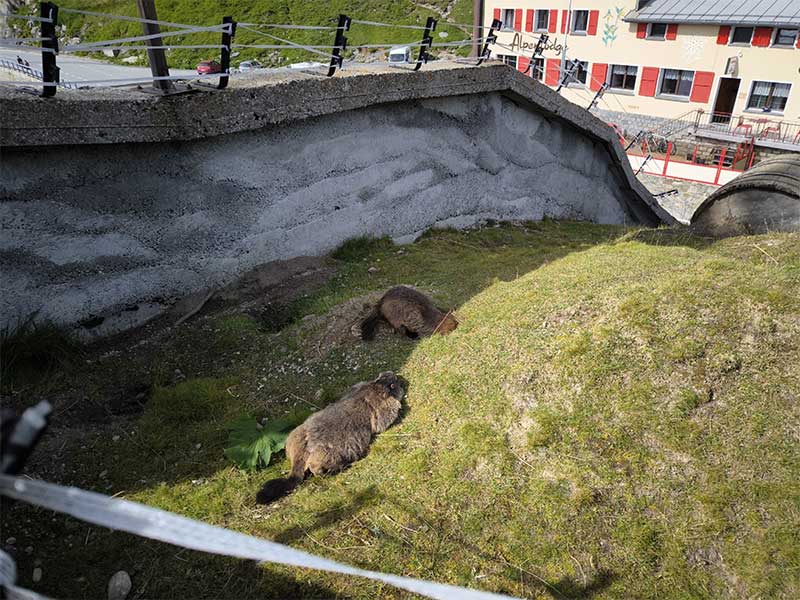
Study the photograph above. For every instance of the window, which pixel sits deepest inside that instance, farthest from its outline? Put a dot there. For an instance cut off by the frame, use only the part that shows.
(580, 21)
(742, 35)
(768, 96)
(542, 20)
(676, 83)
(508, 18)
(508, 59)
(785, 37)
(623, 77)
(579, 73)
(656, 31)
(537, 68)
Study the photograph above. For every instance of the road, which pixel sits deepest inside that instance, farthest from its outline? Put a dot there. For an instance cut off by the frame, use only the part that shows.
(78, 68)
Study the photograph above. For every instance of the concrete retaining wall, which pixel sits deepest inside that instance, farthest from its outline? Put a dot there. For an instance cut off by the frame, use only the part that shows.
(120, 231)
(115, 203)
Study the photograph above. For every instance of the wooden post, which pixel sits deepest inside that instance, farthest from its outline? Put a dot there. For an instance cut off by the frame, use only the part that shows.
(157, 57)
(477, 24)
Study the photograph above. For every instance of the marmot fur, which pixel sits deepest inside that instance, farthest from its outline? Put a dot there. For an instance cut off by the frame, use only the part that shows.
(410, 313)
(339, 434)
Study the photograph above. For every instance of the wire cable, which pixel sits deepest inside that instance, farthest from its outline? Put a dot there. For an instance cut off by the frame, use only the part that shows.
(282, 26)
(121, 17)
(27, 17)
(288, 42)
(142, 38)
(377, 24)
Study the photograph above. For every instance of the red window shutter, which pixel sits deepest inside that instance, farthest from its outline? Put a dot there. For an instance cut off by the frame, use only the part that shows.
(552, 71)
(641, 31)
(518, 19)
(529, 21)
(723, 35)
(701, 90)
(594, 16)
(563, 21)
(672, 32)
(497, 13)
(599, 72)
(553, 21)
(522, 63)
(649, 81)
(762, 37)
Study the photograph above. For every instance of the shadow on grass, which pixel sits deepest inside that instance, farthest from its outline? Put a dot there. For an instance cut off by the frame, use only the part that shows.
(181, 433)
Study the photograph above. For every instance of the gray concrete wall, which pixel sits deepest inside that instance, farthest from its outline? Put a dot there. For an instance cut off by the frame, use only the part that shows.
(121, 231)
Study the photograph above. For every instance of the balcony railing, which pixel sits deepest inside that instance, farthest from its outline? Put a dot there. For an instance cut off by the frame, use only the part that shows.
(737, 128)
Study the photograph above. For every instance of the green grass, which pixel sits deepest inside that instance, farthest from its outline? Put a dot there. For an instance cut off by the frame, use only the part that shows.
(210, 12)
(31, 348)
(616, 417)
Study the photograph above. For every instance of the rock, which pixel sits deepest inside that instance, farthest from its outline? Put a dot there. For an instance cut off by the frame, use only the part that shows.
(37, 575)
(11, 541)
(119, 586)
(372, 270)
(29, 550)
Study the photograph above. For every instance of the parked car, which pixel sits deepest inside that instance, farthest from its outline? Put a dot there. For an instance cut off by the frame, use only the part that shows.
(249, 65)
(208, 67)
(400, 55)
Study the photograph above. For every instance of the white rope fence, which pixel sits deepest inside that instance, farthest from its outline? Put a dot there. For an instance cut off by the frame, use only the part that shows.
(156, 524)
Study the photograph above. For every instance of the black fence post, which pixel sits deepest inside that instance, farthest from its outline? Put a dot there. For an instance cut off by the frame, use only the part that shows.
(597, 96)
(491, 38)
(50, 71)
(427, 42)
(339, 44)
(225, 54)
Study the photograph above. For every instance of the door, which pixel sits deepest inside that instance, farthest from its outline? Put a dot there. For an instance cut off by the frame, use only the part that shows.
(726, 99)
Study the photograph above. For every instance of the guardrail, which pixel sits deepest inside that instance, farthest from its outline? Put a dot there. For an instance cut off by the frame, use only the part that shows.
(32, 73)
(762, 130)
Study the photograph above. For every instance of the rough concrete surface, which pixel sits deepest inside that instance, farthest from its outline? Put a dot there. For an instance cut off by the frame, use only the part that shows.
(121, 231)
(682, 205)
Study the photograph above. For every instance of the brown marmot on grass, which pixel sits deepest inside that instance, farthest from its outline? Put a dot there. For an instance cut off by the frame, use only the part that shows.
(339, 434)
(410, 313)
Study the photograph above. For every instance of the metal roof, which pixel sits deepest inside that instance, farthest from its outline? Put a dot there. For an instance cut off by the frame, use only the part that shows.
(774, 13)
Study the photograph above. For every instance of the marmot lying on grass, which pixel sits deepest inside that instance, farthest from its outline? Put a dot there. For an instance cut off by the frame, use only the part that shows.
(410, 313)
(339, 434)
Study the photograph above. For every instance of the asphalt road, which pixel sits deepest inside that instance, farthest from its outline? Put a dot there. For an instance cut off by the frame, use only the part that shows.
(79, 69)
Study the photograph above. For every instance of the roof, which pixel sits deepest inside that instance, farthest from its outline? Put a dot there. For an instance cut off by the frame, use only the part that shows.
(773, 13)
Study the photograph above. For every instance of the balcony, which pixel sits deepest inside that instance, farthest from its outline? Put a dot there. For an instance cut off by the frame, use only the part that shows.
(761, 131)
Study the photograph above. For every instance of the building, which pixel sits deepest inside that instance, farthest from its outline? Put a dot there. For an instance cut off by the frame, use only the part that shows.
(737, 61)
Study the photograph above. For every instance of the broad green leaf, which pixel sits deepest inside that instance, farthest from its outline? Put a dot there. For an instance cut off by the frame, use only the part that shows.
(250, 446)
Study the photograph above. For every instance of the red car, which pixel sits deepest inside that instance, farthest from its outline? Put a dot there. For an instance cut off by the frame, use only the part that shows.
(208, 67)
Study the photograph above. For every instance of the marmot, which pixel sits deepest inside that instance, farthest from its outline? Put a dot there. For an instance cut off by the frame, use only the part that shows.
(339, 434)
(410, 313)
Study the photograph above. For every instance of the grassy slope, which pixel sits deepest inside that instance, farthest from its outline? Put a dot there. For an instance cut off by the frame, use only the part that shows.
(210, 12)
(618, 414)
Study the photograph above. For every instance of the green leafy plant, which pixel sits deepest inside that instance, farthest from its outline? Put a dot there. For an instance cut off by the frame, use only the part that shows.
(251, 444)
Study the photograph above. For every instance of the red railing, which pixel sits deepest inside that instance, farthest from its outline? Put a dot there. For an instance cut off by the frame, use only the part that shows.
(759, 129)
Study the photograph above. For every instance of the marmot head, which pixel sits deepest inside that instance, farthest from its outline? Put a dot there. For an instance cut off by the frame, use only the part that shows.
(392, 383)
(448, 324)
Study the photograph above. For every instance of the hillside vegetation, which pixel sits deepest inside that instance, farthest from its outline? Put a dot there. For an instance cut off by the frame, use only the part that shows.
(618, 416)
(210, 12)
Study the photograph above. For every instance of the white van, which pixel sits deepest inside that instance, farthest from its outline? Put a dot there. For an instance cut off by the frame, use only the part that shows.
(400, 55)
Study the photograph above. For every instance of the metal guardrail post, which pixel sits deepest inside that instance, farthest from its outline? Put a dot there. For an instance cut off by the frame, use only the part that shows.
(50, 71)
